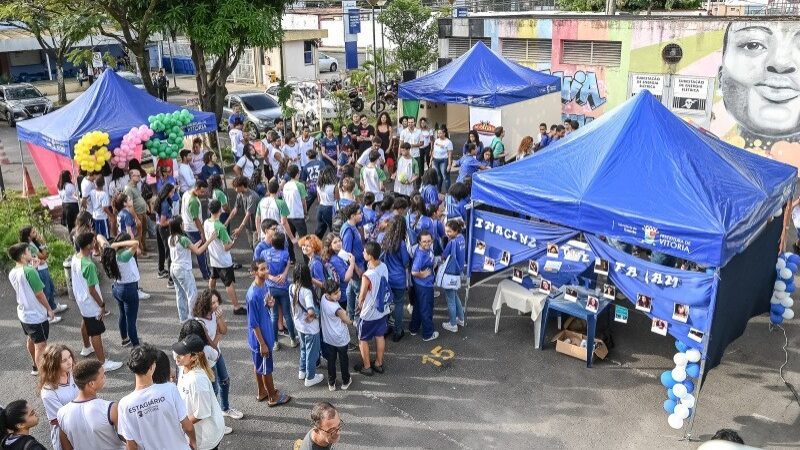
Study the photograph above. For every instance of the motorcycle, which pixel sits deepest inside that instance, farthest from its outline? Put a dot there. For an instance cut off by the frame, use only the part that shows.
(356, 96)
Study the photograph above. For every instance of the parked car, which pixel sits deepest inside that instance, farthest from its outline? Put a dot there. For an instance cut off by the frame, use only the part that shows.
(259, 109)
(327, 63)
(305, 99)
(134, 79)
(22, 101)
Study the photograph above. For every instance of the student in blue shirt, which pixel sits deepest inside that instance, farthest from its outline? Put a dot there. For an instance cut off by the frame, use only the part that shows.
(277, 259)
(455, 202)
(456, 250)
(422, 274)
(352, 243)
(469, 164)
(330, 146)
(422, 218)
(310, 175)
(311, 246)
(268, 228)
(397, 260)
(126, 218)
(370, 216)
(337, 268)
(429, 190)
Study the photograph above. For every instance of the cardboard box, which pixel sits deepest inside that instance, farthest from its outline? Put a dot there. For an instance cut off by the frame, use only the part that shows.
(574, 349)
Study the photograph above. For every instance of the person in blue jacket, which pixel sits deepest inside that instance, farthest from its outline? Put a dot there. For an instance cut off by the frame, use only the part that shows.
(397, 260)
(422, 275)
(456, 251)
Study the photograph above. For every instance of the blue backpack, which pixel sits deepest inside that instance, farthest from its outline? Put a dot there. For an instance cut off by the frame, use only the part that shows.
(385, 296)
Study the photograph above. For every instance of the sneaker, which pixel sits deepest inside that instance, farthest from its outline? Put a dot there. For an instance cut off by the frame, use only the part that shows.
(352, 347)
(460, 323)
(34, 371)
(170, 283)
(433, 336)
(332, 387)
(111, 366)
(413, 333)
(316, 380)
(276, 347)
(301, 375)
(233, 413)
(60, 308)
(143, 295)
(293, 343)
(108, 313)
(283, 332)
(240, 311)
(86, 351)
(409, 309)
(347, 385)
(367, 372)
(228, 430)
(436, 294)
(55, 319)
(397, 337)
(448, 327)
(126, 343)
(163, 274)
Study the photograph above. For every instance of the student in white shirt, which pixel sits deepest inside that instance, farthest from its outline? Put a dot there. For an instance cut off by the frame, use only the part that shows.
(69, 199)
(407, 171)
(198, 156)
(295, 194)
(335, 335)
(56, 386)
(372, 177)
(100, 207)
(306, 143)
(186, 178)
(153, 415)
(87, 186)
(306, 321)
(413, 136)
(363, 159)
(247, 164)
(237, 138)
(442, 158)
(291, 149)
(220, 259)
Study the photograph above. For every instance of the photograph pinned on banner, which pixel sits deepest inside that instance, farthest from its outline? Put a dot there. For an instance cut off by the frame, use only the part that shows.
(620, 314)
(480, 247)
(644, 303)
(488, 264)
(516, 275)
(571, 294)
(552, 250)
(696, 335)
(505, 258)
(659, 326)
(552, 266)
(545, 287)
(592, 304)
(609, 291)
(533, 268)
(680, 312)
(601, 266)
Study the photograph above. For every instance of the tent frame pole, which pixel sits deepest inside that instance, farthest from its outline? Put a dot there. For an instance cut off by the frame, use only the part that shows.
(221, 162)
(472, 205)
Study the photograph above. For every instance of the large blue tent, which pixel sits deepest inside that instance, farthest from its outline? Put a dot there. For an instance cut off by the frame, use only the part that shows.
(480, 77)
(111, 104)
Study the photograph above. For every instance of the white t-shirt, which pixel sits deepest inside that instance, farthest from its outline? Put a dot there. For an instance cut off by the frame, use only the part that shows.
(210, 324)
(53, 400)
(247, 166)
(441, 147)
(68, 194)
(372, 182)
(268, 209)
(273, 161)
(426, 136)
(179, 253)
(305, 146)
(363, 160)
(152, 417)
(128, 270)
(292, 152)
(370, 309)
(334, 331)
(412, 137)
(188, 223)
(117, 186)
(217, 255)
(300, 311)
(86, 303)
(405, 169)
(87, 424)
(237, 144)
(198, 395)
(326, 195)
(293, 199)
(185, 177)
(87, 186)
(29, 310)
(98, 201)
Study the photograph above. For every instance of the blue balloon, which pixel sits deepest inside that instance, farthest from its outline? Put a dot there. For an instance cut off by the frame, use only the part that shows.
(777, 309)
(681, 346)
(792, 266)
(693, 370)
(790, 287)
(689, 386)
(669, 406)
(672, 396)
(776, 320)
(667, 380)
(794, 259)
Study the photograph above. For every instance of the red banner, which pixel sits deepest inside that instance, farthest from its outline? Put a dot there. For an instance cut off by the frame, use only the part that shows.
(50, 164)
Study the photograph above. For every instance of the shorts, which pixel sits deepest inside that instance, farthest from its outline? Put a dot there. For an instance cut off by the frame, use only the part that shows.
(94, 327)
(101, 227)
(226, 274)
(262, 364)
(37, 332)
(368, 329)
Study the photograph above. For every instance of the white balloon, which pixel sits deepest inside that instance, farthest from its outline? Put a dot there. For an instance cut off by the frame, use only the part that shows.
(781, 294)
(780, 286)
(679, 374)
(675, 421)
(693, 355)
(679, 390)
(688, 400)
(681, 411)
(787, 302)
(680, 359)
(780, 264)
(788, 314)
(786, 273)
(775, 299)
(777, 212)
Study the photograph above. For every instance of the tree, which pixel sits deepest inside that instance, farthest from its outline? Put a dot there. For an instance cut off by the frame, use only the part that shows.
(413, 28)
(628, 5)
(56, 28)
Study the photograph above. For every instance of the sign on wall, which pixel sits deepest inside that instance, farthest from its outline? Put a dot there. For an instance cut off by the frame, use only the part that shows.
(354, 18)
(652, 82)
(97, 60)
(689, 94)
(485, 121)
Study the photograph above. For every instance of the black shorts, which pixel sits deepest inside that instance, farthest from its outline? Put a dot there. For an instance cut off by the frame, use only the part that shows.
(37, 332)
(94, 327)
(226, 274)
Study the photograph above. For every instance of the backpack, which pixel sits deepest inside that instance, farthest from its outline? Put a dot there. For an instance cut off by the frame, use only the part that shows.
(384, 297)
(331, 273)
(338, 218)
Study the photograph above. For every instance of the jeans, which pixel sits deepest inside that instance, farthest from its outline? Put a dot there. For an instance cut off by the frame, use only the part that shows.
(454, 307)
(222, 383)
(49, 287)
(397, 314)
(185, 292)
(324, 220)
(423, 311)
(441, 170)
(127, 297)
(331, 353)
(353, 288)
(309, 354)
(283, 302)
(310, 199)
(202, 261)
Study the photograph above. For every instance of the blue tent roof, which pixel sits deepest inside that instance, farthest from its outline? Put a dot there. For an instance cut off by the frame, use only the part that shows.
(111, 104)
(482, 78)
(642, 169)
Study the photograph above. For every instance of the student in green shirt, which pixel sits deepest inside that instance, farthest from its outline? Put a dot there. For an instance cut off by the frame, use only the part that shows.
(220, 259)
(497, 146)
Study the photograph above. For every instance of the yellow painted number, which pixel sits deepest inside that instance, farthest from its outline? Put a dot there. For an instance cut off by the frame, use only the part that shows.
(438, 354)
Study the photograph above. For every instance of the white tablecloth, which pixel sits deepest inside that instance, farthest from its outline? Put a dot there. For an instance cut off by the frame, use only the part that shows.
(514, 295)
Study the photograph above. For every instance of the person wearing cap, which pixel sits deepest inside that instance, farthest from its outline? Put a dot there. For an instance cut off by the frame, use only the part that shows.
(194, 386)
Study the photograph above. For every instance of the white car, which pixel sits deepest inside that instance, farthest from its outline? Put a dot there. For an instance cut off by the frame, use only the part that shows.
(327, 63)
(306, 101)
(132, 78)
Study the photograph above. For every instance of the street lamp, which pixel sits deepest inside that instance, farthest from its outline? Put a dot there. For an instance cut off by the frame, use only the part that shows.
(374, 3)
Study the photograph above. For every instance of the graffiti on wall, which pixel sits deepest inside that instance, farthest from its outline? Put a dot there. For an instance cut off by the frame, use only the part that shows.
(582, 90)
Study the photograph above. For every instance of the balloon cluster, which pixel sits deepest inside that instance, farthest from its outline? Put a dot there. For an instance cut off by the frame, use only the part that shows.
(131, 145)
(781, 301)
(91, 151)
(171, 126)
(680, 400)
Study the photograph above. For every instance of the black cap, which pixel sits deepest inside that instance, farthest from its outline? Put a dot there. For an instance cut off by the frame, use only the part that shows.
(190, 344)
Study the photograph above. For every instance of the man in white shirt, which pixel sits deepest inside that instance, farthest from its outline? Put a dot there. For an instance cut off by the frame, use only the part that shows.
(294, 194)
(185, 173)
(306, 143)
(153, 415)
(413, 136)
(198, 154)
(363, 160)
(237, 138)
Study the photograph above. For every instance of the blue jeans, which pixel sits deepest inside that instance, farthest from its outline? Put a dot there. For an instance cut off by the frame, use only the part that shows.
(185, 292)
(423, 311)
(222, 383)
(202, 260)
(283, 302)
(441, 170)
(397, 314)
(49, 287)
(324, 220)
(309, 354)
(353, 288)
(127, 297)
(454, 307)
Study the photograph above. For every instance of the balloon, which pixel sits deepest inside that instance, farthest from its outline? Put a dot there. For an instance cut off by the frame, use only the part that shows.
(679, 359)
(679, 374)
(669, 406)
(666, 379)
(693, 355)
(681, 411)
(790, 287)
(688, 385)
(688, 400)
(780, 285)
(680, 346)
(794, 259)
(780, 264)
(675, 421)
(91, 152)
(781, 295)
(786, 273)
(777, 320)
(679, 390)
(777, 309)
(671, 395)
(792, 266)
(787, 302)
(693, 370)
(788, 314)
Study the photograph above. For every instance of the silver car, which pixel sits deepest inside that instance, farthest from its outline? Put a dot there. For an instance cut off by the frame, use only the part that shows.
(259, 110)
(132, 78)
(327, 63)
(22, 101)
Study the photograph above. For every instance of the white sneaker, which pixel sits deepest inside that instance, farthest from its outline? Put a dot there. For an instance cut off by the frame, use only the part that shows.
(409, 309)
(233, 413)
(34, 371)
(460, 323)
(111, 366)
(55, 319)
(293, 343)
(143, 295)
(433, 336)
(301, 375)
(448, 327)
(436, 294)
(276, 346)
(228, 430)
(332, 387)
(60, 308)
(86, 351)
(345, 386)
(316, 380)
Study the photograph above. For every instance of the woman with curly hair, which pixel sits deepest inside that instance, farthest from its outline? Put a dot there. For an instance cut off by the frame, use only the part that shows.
(56, 385)
(397, 258)
(311, 246)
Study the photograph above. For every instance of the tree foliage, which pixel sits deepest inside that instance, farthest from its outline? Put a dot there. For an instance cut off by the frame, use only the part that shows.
(628, 5)
(413, 28)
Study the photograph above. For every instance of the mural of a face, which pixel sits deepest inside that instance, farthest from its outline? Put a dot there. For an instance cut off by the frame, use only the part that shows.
(760, 77)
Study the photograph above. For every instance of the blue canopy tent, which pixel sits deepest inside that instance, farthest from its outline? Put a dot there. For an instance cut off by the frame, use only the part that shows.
(640, 175)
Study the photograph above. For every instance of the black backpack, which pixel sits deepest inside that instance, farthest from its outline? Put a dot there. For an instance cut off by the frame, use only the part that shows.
(338, 218)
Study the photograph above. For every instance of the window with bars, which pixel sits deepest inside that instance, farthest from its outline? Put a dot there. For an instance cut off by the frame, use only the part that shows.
(527, 50)
(591, 53)
(459, 45)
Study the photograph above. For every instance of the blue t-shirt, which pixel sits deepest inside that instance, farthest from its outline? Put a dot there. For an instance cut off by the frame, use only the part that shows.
(351, 243)
(468, 165)
(454, 209)
(456, 249)
(546, 140)
(125, 219)
(207, 171)
(164, 210)
(430, 194)
(277, 260)
(235, 116)
(423, 260)
(330, 147)
(261, 247)
(340, 266)
(344, 140)
(317, 269)
(258, 317)
(397, 263)
(310, 174)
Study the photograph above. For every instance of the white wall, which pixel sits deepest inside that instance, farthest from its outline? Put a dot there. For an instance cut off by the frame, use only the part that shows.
(294, 65)
(523, 118)
(335, 29)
